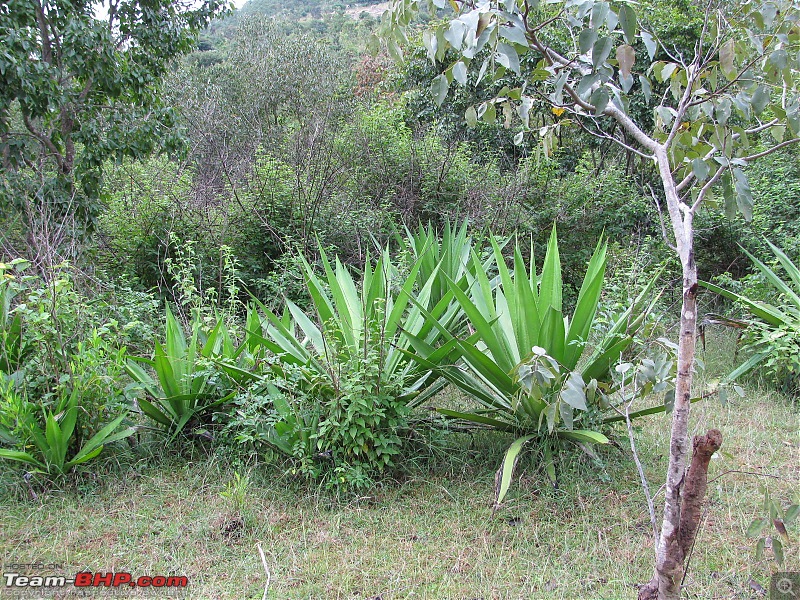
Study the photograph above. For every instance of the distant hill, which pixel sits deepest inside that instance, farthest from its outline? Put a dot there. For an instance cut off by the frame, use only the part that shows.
(305, 14)
(309, 9)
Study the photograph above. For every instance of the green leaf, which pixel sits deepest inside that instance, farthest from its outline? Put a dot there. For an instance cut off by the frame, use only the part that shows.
(791, 270)
(506, 472)
(439, 87)
(644, 412)
(646, 88)
(586, 83)
(395, 52)
(728, 195)
(791, 513)
(584, 436)
(757, 527)
(669, 401)
(600, 51)
(460, 73)
(586, 306)
(628, 21)
(700, 169)
(744, 197)
(84, 457)
(760, 99)
(476, 418)
(777, 550)
(574, 391)
(649, 43)
(471, 116)
(760, 549)
(779, 59)
(508, 57)
(95, 445)
(667, 71)
(514, 34)
(599, 99)
(490, 114)
(587, 39)
(154, 413)
(21, 457)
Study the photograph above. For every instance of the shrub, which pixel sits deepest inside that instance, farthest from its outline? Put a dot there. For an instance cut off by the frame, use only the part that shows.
(56, 340)
(62, 392)
(530, 367)
(343, 382)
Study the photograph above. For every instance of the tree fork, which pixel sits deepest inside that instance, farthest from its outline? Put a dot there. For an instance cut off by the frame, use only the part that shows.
(679, 543)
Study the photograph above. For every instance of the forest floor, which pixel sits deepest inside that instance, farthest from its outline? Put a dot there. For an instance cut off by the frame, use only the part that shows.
(431, 534)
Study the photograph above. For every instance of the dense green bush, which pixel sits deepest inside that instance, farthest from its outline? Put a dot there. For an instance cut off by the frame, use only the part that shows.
(69, 340)
(62, 374)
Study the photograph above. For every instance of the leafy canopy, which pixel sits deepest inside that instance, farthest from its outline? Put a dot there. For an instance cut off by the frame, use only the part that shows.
(587, 59)
(79, 84)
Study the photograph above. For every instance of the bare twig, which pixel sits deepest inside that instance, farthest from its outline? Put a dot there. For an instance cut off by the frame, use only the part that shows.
(266, 570)
(728, 472)
(645, 485)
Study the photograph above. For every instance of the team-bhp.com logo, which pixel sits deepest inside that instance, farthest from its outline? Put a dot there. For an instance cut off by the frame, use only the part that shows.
(87, 579)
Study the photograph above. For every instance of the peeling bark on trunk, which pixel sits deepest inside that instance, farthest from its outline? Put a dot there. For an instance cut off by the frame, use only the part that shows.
(677, 532)
(678, 543)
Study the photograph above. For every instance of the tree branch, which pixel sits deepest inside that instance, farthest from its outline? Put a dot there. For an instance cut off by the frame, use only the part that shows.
(769, 151)
(44, 140)
(41, 19)
(604, 136)
(708, 185)
(553, 58)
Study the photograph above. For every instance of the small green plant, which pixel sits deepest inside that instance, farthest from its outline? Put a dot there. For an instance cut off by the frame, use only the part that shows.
(363, 416)
(196, 301)
(186, 384)
(52, 449)
(761, 529)
(13, 346)
(236, 492)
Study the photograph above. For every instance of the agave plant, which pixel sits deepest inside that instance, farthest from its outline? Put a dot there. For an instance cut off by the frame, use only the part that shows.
(182, 388)
(775, 343)
(345, 317)
(531, 367)
(441, 257)
(47, 448)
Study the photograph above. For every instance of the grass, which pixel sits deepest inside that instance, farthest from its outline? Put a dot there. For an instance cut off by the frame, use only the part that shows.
(431, 534)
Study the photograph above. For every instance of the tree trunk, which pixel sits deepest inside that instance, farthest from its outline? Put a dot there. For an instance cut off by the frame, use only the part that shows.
(669, 566)
(666, 582)
(677, 533)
